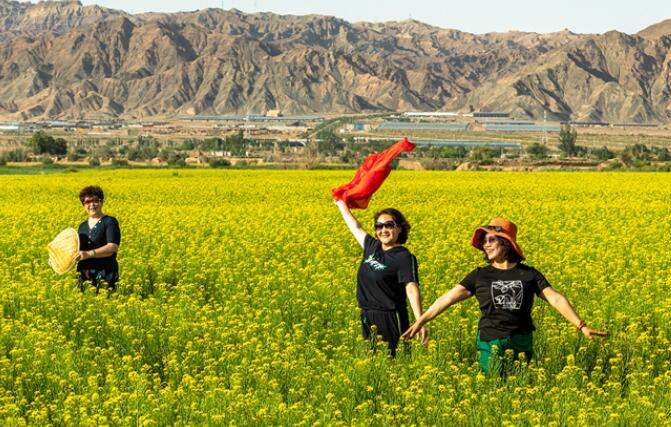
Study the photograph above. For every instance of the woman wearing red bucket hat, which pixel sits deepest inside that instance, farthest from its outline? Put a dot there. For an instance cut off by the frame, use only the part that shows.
(505, 291)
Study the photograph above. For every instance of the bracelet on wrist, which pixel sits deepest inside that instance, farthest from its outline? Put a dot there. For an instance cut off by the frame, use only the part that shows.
(94, 254)
(581, 325)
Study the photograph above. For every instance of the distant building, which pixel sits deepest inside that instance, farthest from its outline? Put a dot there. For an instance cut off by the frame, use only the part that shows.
(431, 114)
(588, 124)
(356, 127)
(62, 125)
(546, 127)
(273, 113)
(635, 125)
(403, 126)
(496, 114)
(9, 128)
(511, 122)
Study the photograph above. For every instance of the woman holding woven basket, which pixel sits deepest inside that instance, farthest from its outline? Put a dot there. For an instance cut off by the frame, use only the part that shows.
(505, 291)
(99, 238)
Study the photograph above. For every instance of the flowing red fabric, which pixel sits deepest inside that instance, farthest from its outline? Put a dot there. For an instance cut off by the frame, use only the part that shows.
(370, 176)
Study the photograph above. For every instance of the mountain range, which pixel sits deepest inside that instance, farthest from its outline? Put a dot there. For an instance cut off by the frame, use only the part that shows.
(62, 60)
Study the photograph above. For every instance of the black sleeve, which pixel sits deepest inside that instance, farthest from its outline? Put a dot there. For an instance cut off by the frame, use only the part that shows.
(407, 270)
(541, 281)
(468, 282)
(112, 231)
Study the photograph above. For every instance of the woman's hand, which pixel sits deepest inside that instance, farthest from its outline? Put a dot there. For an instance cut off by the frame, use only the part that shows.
(421, 333)
(82, 255)
(423, 336)
(414, 330)
(564, 307)
(591, 333)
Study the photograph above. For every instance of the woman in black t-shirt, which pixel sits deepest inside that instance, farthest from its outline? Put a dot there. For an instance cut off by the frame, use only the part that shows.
(99, 239)
(505, 291)
(387, 276)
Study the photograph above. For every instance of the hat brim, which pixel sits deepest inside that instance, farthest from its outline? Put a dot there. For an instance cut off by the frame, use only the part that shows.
(476, 240)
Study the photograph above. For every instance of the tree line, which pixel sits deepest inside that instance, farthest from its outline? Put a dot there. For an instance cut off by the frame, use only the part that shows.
(325, 147)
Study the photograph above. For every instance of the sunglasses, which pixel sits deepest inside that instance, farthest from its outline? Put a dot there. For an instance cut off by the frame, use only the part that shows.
(389, 224)
(89, 201)
(489, 239)
(492, 227)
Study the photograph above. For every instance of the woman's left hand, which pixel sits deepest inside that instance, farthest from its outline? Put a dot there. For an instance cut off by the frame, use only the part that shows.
(413, 330)
(82, 255)
(591, 333)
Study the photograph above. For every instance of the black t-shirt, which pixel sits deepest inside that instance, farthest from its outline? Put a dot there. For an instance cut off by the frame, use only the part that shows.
(105, 231)
(382, 276)
(506, 298)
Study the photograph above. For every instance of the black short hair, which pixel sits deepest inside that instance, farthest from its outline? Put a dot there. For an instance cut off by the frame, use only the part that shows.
(509, 252)
(91, 191)
(400, 220)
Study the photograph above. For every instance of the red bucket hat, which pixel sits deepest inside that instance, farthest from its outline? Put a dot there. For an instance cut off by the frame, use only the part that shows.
(498, 227)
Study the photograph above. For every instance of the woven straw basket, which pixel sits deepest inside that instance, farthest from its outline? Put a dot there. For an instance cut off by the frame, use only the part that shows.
(63, 250)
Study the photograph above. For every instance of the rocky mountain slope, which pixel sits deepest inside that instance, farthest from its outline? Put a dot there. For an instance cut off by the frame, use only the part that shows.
(64, 60)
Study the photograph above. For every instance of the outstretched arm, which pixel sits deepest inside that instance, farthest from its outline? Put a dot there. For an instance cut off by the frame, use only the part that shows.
(454, 295)
(415, 298)
(352, 223)
(560, 303)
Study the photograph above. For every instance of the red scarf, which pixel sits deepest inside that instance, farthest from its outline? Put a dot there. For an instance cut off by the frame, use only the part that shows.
(370, 176)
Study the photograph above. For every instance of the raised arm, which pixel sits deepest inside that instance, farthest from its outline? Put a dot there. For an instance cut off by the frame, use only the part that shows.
(352, 223)
(453, 296)
(415, 298)
(560, 303)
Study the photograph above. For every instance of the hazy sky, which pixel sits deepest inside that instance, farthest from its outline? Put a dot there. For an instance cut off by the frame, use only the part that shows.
(474, 16)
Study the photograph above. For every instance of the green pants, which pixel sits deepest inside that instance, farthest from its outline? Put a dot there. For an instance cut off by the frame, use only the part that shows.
(494, 365)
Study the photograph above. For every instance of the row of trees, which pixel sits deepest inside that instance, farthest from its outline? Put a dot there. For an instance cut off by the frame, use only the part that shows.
(568, 147)
(327, 145)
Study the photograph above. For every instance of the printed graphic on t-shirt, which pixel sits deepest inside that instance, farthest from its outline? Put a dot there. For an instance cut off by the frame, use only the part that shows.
(375, 264)
(507, 294)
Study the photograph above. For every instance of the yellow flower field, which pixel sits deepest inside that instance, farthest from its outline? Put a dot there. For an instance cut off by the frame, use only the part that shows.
(237, 306)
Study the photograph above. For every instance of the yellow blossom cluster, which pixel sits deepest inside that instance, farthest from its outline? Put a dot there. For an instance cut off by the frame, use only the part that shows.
(236, 304)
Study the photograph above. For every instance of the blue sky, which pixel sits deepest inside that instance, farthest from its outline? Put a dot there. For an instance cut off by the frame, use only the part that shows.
(479, 16)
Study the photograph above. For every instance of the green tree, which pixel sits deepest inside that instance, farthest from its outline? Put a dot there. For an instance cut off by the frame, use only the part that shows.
(663, 154)
(602, 153)
(43, 143)
(218, 162)
(537, 151)
(567, 140)
(639, 152)
(16, 155)
(455, 152)
(483, 153)
(187, 144)
(328, 142)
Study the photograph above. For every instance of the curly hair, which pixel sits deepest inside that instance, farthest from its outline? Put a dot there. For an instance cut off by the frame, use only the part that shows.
(91, 191)
(400, 220)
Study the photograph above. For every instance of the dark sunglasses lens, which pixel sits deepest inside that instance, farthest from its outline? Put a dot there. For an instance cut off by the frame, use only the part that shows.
(381, 225)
